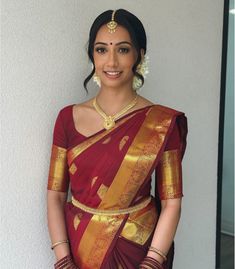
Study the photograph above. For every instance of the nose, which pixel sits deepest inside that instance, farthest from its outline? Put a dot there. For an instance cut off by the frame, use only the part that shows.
(112, 60)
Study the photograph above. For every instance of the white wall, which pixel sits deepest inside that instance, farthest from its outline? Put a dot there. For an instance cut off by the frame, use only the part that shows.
(43, 67)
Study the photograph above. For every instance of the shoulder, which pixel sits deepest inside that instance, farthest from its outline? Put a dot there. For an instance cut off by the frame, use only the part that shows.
(65, 109)
(68, 109)
(167, 110)
(158, 107)
(142, 102)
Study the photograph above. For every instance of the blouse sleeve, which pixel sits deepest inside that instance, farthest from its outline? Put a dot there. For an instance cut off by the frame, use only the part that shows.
(58, 178)
(169, 170)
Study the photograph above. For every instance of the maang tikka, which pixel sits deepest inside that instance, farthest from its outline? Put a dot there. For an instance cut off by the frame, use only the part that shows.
(112, 25)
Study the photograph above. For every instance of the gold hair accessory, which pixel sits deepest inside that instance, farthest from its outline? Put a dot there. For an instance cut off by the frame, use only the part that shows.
(59, 242)
(109, 121)
(153, 249)
(143, 70)
(112, 25)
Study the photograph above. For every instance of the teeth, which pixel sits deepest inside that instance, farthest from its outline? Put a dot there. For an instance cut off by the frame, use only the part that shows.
(112, 73)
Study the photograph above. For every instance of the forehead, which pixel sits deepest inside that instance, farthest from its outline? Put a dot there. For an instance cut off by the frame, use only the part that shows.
(121, 34)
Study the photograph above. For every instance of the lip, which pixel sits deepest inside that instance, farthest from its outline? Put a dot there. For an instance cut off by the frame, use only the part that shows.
(113, 74)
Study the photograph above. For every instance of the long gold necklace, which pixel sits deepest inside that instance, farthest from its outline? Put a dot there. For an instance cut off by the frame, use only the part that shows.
(109, 121)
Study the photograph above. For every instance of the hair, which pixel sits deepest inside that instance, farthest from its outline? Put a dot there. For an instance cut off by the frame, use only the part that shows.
(132, 24)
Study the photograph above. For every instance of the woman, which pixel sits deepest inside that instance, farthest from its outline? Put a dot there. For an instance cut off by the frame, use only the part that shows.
(111, 220)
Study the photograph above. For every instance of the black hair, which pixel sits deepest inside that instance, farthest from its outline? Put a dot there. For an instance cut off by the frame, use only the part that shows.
(131, 23)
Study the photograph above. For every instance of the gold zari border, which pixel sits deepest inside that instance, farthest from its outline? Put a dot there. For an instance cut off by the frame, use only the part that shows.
(57, 179)
(140, 225)
(169, 175)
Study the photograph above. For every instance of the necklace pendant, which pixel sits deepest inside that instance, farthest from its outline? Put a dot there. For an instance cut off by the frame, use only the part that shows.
(109, 123)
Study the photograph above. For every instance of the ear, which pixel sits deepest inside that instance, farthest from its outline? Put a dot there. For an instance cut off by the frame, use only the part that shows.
(142, 54)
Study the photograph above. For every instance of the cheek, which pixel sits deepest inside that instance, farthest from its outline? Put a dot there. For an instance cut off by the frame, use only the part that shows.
(130, 63)
(99, 61)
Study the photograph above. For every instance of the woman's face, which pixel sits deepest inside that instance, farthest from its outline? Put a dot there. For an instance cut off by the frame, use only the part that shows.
(114, 56)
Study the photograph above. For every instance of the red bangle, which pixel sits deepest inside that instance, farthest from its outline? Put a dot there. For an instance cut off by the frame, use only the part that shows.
(65, 262)
(150, 262)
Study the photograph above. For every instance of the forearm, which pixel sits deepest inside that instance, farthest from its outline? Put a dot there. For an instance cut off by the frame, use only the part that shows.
(56, 224)
(165, 231)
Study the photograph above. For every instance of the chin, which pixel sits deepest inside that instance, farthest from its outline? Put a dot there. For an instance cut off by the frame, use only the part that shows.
(117, 84)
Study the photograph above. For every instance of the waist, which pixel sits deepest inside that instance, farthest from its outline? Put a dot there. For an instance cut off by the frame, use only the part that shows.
(111, 212)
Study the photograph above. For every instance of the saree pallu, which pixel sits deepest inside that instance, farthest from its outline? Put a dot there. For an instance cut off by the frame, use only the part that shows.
(110, 171)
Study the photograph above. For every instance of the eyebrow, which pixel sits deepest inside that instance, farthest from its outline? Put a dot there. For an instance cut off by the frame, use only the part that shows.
(119, 43)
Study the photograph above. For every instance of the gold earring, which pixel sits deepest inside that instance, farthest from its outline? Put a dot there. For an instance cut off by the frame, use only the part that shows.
(96, 79)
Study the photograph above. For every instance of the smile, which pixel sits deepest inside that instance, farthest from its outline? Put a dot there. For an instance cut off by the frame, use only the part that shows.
(112, 74)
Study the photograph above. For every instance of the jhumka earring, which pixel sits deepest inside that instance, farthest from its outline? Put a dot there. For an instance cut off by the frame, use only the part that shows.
(112, 25)
(143, 70)
(96, 79)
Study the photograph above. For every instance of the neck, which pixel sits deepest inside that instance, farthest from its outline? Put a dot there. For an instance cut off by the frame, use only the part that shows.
(112, 101)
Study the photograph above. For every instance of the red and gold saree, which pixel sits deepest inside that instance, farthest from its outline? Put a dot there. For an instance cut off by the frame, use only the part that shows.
(110, 173)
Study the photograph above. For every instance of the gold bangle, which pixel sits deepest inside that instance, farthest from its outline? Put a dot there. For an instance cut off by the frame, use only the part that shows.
(153, 249)
(58, 243)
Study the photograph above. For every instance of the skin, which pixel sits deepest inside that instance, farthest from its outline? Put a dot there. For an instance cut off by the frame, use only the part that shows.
(112, 52)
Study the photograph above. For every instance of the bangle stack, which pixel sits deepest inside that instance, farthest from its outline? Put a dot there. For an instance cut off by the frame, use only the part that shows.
(65, 262)
(150, 263)
(155, 250)
(59, 242)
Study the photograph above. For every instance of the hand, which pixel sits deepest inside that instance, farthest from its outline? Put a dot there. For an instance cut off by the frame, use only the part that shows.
(65, 262)
(149, 262)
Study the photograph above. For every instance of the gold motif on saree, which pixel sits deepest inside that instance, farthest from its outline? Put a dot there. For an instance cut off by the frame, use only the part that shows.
(107, 140)
(76, 220)
(169, 175)
(93, 181)
(57, 180)
(140, 225)
(123, 142)
(102, 191)
(73, 169)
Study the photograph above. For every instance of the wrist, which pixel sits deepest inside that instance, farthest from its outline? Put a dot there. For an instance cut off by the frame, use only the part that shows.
(155, 256)
(61, 251)
(65, 263)
(150, 263)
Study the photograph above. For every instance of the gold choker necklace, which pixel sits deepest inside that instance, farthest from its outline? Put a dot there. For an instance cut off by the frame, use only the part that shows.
(109, 121)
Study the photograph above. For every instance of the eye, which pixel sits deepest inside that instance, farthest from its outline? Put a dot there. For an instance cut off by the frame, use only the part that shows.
(124, 50)
(100, 50)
